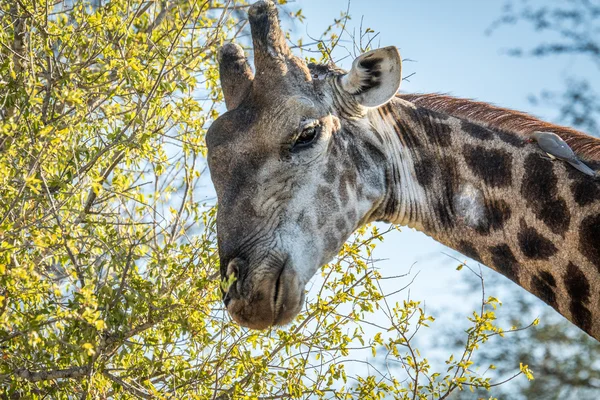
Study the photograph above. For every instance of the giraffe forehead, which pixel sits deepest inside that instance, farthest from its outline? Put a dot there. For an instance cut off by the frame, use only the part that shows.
(270, 115)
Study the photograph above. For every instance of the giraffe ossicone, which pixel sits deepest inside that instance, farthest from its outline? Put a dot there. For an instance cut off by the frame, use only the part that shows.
(306, 154)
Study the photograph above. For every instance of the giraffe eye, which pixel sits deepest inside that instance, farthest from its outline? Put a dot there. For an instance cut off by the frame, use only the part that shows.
(306, 137)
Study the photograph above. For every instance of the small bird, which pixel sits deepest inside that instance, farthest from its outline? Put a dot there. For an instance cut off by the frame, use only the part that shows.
(556, 148)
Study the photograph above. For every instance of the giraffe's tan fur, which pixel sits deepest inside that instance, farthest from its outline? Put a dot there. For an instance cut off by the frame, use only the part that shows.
(460, 171)
(567, 244)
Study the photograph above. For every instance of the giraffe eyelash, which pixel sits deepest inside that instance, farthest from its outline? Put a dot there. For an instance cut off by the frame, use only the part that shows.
(307, 135)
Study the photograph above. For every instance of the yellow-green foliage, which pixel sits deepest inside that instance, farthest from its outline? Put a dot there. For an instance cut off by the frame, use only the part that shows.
(108, 269)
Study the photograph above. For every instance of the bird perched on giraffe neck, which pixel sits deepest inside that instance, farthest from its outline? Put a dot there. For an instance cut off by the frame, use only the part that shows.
(557, 149)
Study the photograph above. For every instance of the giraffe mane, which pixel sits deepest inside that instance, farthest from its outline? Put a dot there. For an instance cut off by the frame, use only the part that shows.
(511, 121)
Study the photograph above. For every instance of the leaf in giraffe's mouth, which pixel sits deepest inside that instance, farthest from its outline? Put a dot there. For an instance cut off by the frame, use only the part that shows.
(228, 282)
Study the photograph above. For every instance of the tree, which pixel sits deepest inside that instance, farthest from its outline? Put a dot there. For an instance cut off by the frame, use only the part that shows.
(108, 267)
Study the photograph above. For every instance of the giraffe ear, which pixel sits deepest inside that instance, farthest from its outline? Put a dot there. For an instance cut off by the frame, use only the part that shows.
(375, 77)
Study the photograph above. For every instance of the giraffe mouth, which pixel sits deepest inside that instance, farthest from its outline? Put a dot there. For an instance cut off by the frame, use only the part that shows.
(277, 300)
(272, 300)
(288, 296)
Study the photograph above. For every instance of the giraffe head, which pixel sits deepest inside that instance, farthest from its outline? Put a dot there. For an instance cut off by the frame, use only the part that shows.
(295, 167)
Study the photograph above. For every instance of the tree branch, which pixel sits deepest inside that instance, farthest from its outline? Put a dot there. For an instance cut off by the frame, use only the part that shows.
(137, 392)
(69, 373)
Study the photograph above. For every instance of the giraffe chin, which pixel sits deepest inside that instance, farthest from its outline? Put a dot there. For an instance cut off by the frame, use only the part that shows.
(273, 301)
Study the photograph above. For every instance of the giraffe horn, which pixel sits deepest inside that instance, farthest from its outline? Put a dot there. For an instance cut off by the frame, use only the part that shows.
(272, 55)
(235, 73)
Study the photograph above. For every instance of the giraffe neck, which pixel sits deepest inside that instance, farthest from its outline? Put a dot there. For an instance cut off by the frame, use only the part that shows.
(493, 197)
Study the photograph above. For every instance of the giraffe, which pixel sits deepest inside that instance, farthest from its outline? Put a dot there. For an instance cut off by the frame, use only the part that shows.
(306, 154)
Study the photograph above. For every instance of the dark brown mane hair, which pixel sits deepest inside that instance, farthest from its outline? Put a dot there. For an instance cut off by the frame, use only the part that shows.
(507, 120)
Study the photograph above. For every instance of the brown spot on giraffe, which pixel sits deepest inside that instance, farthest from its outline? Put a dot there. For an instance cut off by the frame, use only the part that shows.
(424, 171)
(512, 140)
(584, 193)
(504, 260)
(578, 287)
(332, 242)
(340, 224)
(326, 197)
(477, 131)
(375, 153)
(351, 215)
(304, 221)
(544, 286)
(446, 187)
(360, 158)
(540, 191)
(438, 132)
(404, 133)
(589, 239)
(331, 171)
(493, 166)
(534, 245)
(468, 250)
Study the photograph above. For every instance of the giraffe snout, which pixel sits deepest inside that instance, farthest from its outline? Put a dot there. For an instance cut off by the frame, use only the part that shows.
(259, 297)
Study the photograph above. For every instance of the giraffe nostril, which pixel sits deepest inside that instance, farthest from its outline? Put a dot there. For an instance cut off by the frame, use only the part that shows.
(235, 266)
(236, 270)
